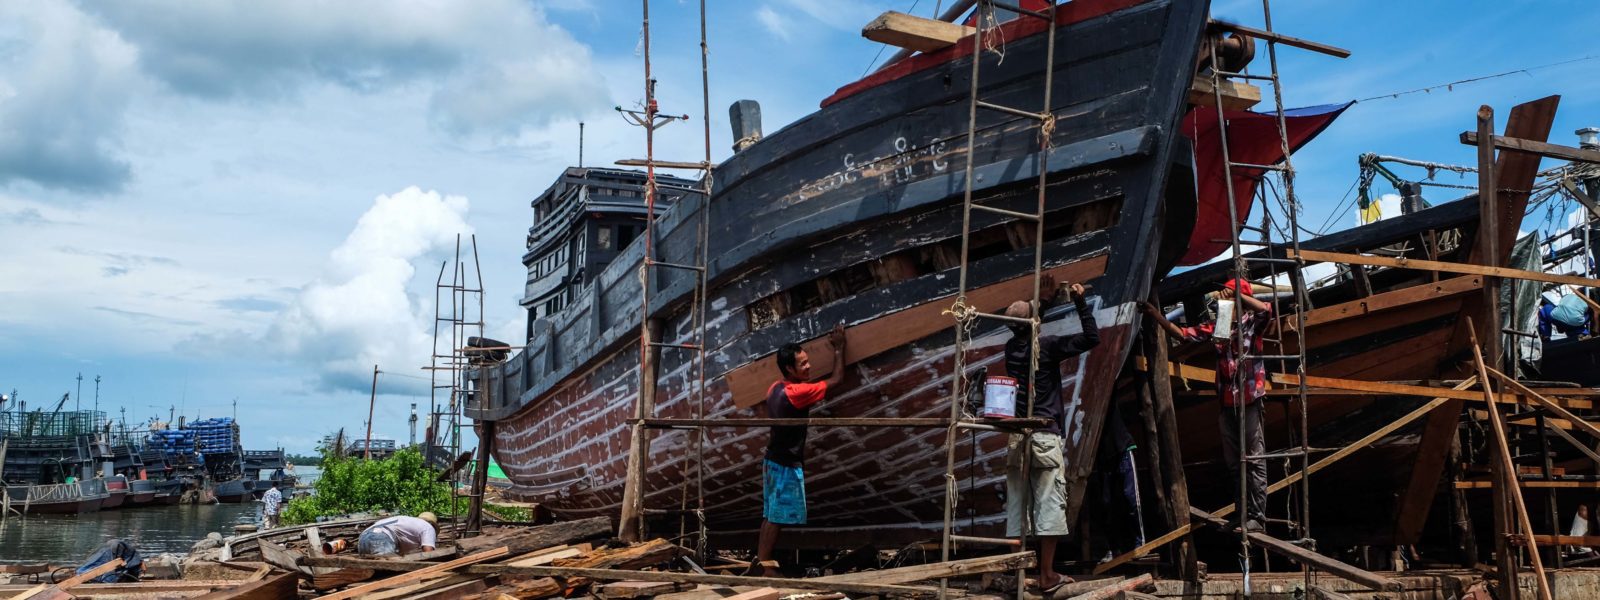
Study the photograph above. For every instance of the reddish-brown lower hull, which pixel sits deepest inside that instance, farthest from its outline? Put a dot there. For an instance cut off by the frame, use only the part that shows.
(569, 451)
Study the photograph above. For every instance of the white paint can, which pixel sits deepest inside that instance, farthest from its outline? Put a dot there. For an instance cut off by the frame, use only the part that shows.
(1000, 397)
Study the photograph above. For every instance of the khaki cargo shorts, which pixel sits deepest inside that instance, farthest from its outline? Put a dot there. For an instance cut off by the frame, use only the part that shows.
(1036, 496)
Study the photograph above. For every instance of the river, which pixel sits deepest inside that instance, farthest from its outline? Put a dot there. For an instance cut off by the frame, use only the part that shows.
(68, 539)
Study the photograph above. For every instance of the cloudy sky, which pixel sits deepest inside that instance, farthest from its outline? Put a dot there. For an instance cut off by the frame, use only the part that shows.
(203, 202)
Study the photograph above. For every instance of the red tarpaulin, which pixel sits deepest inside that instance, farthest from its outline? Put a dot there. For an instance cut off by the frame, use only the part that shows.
(1253, 139)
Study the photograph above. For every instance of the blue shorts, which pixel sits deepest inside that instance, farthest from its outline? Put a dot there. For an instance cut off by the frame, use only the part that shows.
(376, 543)
(783, 494)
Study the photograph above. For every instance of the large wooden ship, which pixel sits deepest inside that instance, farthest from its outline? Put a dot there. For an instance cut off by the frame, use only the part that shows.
(853, 215)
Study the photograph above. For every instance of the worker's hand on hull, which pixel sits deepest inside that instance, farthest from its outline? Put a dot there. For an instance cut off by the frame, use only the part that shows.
(836, 337)
(1075, 292)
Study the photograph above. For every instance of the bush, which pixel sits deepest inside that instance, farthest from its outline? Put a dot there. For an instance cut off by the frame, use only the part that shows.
(400, 483)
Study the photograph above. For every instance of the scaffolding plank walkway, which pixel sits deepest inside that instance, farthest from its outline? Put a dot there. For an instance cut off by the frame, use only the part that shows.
(1309, 558)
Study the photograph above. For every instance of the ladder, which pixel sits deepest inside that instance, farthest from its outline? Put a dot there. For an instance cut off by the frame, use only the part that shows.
(967, 317)
(1242, 271)
(634, 513)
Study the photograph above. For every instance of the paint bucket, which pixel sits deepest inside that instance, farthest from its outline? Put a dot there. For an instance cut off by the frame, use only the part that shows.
(333, 546)
(1000, 397)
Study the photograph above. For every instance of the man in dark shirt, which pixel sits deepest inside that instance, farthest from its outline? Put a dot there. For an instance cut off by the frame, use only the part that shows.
(1036, 474)
(784, 485)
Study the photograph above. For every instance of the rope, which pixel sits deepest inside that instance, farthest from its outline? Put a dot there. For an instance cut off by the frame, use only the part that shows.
(1451, 85)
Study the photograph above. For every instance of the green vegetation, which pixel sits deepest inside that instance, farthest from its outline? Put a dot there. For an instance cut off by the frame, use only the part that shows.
(400, 483)
(508, 513)
(301, 460)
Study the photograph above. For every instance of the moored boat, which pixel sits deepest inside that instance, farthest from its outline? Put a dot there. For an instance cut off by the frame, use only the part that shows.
(116, 491)
(141, 492)
(234, 490)
(73, 498)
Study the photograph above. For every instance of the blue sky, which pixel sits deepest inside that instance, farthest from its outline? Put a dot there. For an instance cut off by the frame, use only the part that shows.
(250, 200)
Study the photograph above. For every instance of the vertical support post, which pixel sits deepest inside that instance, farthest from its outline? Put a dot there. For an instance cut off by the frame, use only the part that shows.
(372, 404)
(1466, 537)
(1176, 507)
(480, 476)
(631, 529)
(1508, 474)
(1489, 234)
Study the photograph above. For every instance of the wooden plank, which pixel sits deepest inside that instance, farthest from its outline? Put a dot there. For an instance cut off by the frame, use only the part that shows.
(433, 583)
(1144, 581)
(1567, 540)
(1392, 389)
(1273, 36)
(70, 582)
(639, 589)
(1390, 300)
(1003, 563)
(1236, 95)
(1507, 468)
(421, 573)
(259, 574)
(541, 587)
(1545, 149)
(1488, 484)
(636, 556)
(749, 383)
(452, 592)
(275, 587)
(1311, 559)
(765, 593)
(1315, 256)
(630, 575)
(525, 540)
(280, 557)
(1554, 423)
(327, 579)
(313, 541)
(914, 33)
(1560, 411)
(543, 558)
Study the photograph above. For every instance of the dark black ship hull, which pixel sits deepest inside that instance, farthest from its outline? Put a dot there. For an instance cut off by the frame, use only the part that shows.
(853, 215)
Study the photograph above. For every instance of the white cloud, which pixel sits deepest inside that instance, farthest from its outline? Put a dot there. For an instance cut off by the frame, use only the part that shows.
(496, 70)
(775, 23)
(495, 66)
(359, 312)
(64, 86)
(843, 15)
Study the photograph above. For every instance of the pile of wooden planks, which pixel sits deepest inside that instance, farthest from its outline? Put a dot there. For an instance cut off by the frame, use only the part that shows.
(581, 558)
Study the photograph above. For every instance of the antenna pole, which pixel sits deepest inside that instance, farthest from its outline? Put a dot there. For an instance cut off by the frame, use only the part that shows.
(372, 402)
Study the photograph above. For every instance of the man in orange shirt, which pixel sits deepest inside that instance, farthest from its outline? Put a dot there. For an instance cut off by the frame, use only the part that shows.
(784, 485)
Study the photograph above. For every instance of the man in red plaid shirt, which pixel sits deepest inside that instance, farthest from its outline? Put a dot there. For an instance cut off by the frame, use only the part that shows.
(1254, 318)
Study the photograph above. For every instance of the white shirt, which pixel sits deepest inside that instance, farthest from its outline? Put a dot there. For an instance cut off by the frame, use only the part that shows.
(271, 500)
(410, 533)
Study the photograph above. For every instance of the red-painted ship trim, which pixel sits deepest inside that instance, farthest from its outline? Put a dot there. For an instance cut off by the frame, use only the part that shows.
(1066, 14)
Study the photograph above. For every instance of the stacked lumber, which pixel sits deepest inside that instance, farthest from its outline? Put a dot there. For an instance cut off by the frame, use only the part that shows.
(580, 558)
